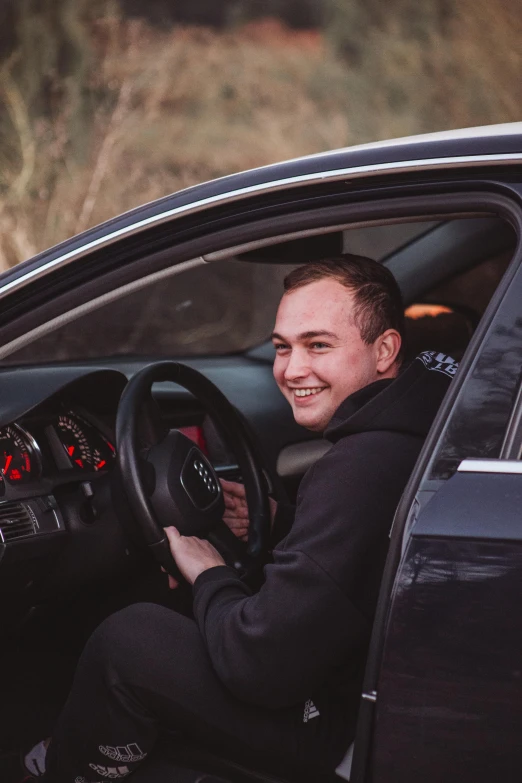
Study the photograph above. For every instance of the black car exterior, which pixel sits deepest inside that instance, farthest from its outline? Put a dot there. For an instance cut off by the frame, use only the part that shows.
(443, 689)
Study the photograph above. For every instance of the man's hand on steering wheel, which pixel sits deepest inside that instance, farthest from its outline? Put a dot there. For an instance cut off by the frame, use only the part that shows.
(192, 555)
(236, 510)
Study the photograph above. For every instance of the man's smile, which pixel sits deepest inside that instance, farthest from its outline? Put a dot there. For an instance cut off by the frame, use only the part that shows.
(306, 391)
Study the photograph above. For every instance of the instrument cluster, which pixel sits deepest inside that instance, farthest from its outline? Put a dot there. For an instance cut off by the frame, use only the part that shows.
(65, 441)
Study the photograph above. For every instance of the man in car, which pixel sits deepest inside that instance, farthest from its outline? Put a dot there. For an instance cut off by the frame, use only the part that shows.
(273, 678)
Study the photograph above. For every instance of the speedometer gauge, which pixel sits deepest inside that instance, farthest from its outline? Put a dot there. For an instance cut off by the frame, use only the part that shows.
(18, 455)
(85, 446)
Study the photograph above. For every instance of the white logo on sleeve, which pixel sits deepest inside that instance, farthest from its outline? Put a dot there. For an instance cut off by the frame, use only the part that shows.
(112, 773)
(123, 753)
(310, 711)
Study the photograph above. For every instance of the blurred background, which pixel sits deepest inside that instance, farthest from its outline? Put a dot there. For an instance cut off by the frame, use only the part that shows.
(106, 104)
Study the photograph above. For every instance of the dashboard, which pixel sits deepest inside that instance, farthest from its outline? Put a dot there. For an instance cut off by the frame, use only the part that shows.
(66, 524)
(55, 443)
(65, 520)
(57, 454)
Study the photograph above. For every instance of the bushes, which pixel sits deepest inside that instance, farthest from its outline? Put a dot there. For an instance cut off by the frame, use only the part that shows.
(154, 111)
(103, 111)
(294, 13)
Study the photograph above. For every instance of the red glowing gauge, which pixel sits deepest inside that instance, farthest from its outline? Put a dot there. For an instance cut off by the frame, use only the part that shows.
(18, 459)
(75, 442)
(86, 448)
(104, 454)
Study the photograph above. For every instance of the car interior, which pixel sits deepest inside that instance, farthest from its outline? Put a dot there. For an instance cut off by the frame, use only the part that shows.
(71, 552)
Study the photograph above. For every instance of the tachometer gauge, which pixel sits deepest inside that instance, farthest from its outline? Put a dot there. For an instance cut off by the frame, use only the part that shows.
(18, 455)
(74, 440)
(103, 455)
(86, 448)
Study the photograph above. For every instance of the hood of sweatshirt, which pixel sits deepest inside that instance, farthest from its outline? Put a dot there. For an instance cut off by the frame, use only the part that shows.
(407, 403)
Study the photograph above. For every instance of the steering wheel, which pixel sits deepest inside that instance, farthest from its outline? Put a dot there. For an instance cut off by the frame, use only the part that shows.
(167, 478)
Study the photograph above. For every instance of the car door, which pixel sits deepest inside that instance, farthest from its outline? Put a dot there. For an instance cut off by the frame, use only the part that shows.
(443, 689)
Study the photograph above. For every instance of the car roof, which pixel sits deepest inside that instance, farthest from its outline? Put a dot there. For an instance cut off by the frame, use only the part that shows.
(493, 145)
(484, 132)
(490, 141)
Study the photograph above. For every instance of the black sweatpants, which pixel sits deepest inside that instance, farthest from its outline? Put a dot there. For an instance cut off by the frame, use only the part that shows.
(146, 669)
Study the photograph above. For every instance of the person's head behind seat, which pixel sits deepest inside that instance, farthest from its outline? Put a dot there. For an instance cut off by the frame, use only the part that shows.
(339, 328)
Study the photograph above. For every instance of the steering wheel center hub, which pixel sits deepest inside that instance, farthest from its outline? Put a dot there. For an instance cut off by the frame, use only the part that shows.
(199, 481)
(187, 493)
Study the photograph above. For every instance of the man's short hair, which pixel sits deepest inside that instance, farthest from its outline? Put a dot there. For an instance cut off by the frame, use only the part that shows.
(378, 304)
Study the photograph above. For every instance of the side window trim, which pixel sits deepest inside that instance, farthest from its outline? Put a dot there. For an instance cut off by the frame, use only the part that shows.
(476, 465)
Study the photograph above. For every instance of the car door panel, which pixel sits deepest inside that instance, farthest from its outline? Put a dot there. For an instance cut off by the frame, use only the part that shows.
(449, 702)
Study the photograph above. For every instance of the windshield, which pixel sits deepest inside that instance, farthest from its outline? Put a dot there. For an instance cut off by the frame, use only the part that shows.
(216, 308)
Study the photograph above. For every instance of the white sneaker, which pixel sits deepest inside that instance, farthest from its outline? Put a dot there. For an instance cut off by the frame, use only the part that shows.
(34, 760)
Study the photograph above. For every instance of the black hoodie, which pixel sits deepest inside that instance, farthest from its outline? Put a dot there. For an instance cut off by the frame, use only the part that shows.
(304, 634)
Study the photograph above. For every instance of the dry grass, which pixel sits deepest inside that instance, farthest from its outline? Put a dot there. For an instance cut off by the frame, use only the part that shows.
(167, 109)
(174, 108)
(427, 65)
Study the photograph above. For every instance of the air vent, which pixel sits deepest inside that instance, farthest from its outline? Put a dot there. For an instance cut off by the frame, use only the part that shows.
(16, 521)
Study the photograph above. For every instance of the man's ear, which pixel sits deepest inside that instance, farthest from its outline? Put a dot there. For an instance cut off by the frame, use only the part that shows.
(388, 345)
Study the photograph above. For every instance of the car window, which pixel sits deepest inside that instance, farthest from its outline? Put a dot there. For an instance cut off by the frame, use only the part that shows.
(379, 242)
(429, 326)
(229, 306)
(477, 425)
(216, 308)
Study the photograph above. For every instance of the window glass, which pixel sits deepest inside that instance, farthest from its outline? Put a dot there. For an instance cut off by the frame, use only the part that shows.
(479, 418)
(381, 241)
(215, 308)
(229, 306)
(436, 327)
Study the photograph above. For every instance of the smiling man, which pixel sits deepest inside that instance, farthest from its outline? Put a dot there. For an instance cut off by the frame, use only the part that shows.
(335, 333)
(273, 678)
